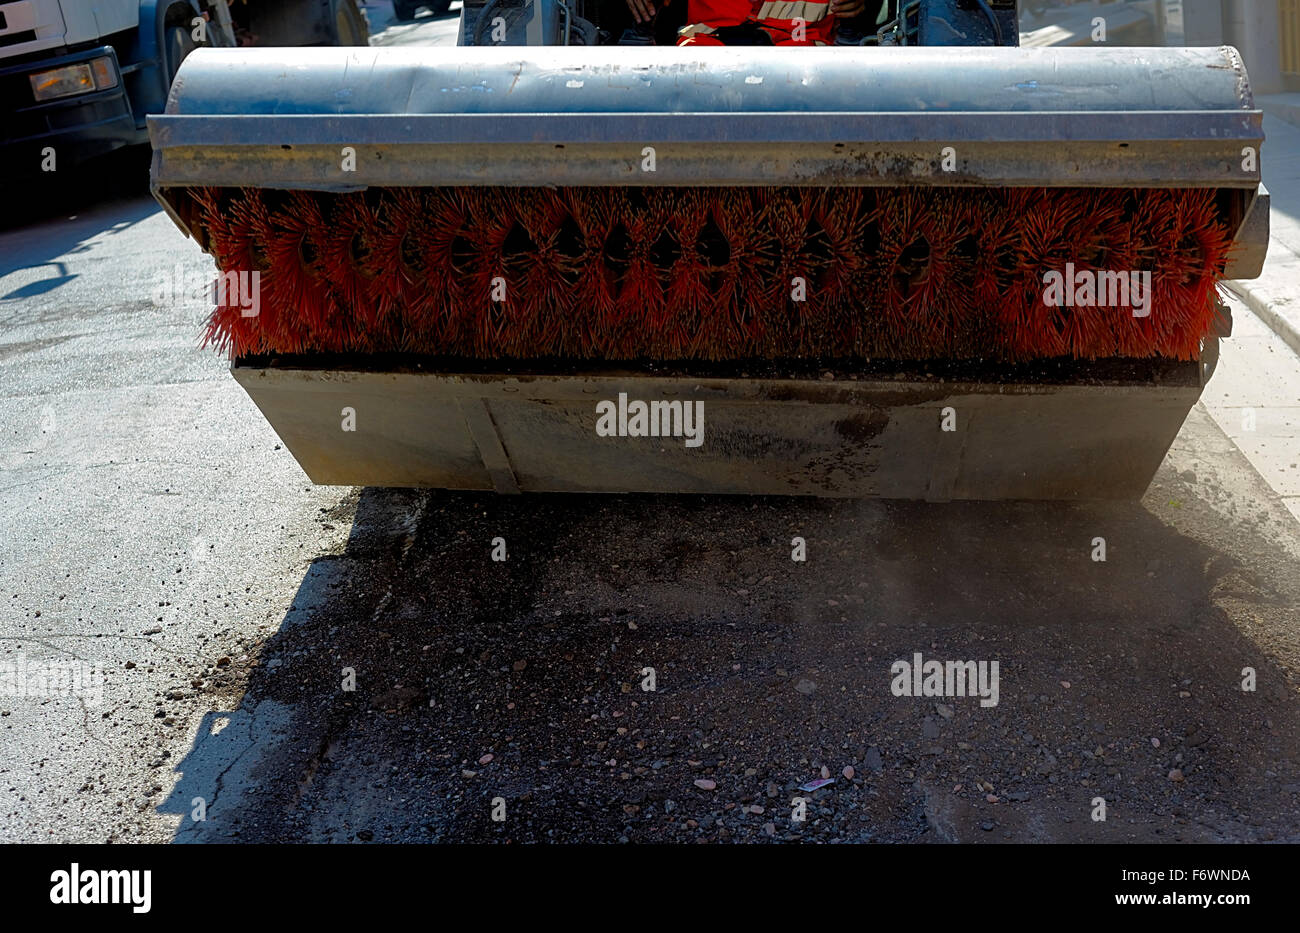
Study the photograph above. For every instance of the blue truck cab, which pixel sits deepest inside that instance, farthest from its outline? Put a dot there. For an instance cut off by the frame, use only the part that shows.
(77, 77)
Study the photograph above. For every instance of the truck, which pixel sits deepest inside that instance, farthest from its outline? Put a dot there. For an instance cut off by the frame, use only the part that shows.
(77, 78)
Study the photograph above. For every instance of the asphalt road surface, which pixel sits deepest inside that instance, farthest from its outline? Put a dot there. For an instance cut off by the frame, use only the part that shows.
(426, 29)
(157, 532)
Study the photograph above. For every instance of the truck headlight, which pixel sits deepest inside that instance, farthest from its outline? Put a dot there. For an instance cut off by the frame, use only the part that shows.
(81, 78)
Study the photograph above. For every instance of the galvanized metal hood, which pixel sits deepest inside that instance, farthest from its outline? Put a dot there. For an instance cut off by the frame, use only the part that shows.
(756, 79)
(729, 116)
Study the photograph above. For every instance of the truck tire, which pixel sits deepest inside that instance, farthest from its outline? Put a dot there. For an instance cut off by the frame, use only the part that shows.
(349, 23)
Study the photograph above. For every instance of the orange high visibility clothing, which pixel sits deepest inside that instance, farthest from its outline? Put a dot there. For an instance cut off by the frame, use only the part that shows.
(788, 23)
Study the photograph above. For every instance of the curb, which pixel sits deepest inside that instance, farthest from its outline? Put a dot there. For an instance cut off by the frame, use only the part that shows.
(1263, 294)
(1257, 297)
(1284, 110)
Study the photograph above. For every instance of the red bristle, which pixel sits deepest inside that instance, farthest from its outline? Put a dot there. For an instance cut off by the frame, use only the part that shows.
(663, 273)
(841, 217)
(1098, 244)
(470, 235)
(347, 248)
(546, 275)
(1202, 244)
(684, 270)
(478, 261)
(999, 294)
(918, 270)
(291, 234)
(224, 329)
(791, 292)
(1027, 325)
(639, 306)
(737, 212)
(595, 213)
(277, 327)
(397, 288)
(435, 306)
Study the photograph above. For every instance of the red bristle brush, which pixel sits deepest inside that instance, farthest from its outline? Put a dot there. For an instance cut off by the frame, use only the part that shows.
(618, 273)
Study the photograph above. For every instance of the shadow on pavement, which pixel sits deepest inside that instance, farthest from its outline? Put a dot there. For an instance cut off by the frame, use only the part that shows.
(47, 219)
(119, 176)
(521, 683)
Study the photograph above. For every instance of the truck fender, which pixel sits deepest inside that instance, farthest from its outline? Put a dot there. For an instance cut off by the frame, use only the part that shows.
(148, 90)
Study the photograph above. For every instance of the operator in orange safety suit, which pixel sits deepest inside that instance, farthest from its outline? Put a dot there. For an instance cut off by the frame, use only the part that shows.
(755, 22)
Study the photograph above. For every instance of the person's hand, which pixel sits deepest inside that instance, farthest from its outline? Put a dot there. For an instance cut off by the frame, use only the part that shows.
(644, 10)
(845, 9)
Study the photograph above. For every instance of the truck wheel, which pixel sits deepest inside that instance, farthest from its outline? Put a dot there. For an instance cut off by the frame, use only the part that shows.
(179, 44)
(405, 9)
(439, 7)
(349, 23)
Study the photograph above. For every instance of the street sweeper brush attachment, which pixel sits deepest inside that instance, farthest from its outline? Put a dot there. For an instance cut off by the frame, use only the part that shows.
(482, 245)
(719, 273)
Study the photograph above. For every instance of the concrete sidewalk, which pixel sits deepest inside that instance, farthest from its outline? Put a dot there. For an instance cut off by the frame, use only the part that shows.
(1285, 106)
(1275, 295)
(1125, 25)
(1255, 393)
